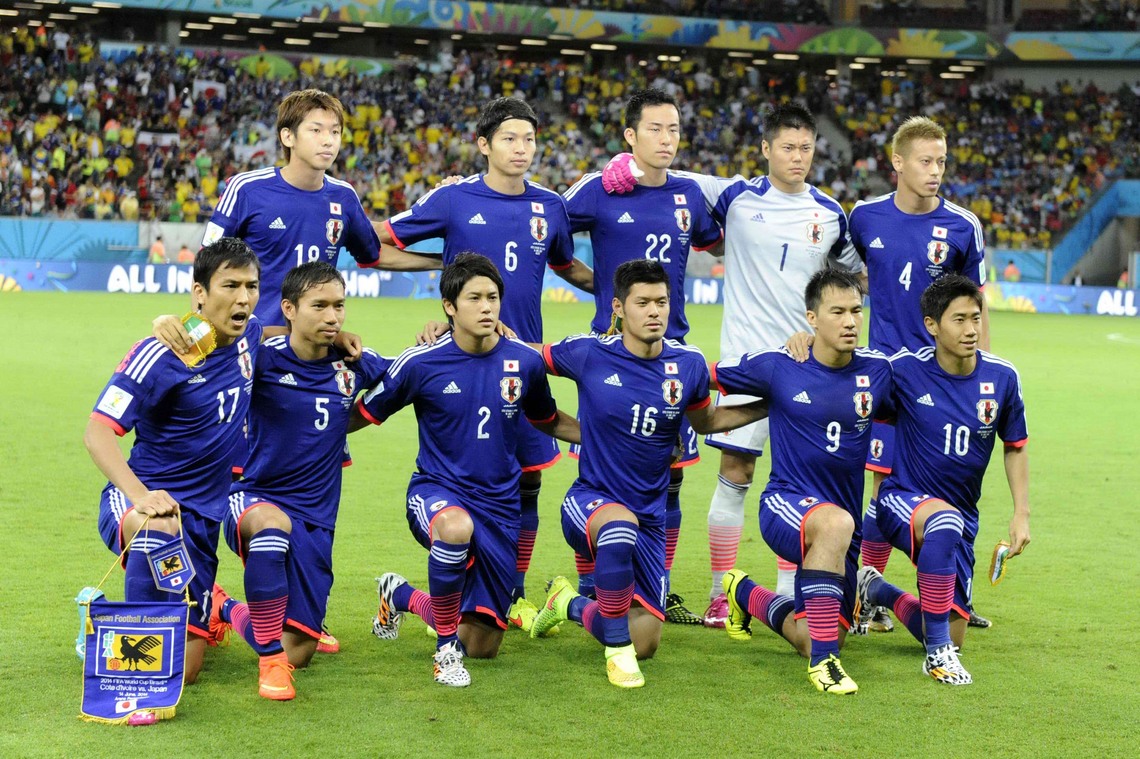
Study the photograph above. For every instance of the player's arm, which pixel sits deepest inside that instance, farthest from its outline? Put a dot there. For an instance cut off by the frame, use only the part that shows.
(707, 418)
(1017, 474)
(103, 445)
(395, 259)
(562, 426)
(578, 274)
(434, 330)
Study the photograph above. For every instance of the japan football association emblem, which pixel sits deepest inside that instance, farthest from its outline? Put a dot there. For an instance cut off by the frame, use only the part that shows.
(876, 448)
(936, 251)
(333, 229)
(511, 389)
(539, 228)
(684, 219)
(345, 380)
(863, 402)
(671, 389)
(245, 363)
(815, 233)
(987, 411)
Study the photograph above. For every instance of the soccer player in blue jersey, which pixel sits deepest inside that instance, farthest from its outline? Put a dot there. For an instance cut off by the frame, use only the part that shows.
(296, 213)
(523, 228)
(471, 391)
(820, 419)
(187, 424)
(660, 220)
(952, 401)
(634, 391)
(779, 231)
(908, 239)
(282, 515)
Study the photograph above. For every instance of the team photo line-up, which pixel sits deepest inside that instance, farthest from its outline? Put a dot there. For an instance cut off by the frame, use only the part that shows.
(223, 401)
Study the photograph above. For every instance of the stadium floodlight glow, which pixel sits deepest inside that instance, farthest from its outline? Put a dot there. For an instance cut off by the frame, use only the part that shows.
(376, 24)
(663, 58)
(643, 63)
(82, 9)
(457, 37)
(759, 61)
(260, 30)
(312, 20)
(234, 37)
(738, 54)
(327, 35)
(252, 16)
(919, 61)
(26, 7)
(350, 29)
(184, 34)
(963, 69)
(112, 6)
(284, 25)
(533, 43)
(973, 63)
(602, 46)
(857, 66)
(198, 27)
(951, 75)
(423, 42)
(6, 12)
(506, 48)
(222, 20)
(868, 60)
(296, 41)
(63, 16)
(786, 57)
(833, 72)
(571, 51)
(674, 59)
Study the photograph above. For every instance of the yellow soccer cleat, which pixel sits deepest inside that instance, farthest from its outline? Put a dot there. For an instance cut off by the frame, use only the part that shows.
(555, 610)
(522, 614)
(828, 677)
(621, 667)
(738, 624)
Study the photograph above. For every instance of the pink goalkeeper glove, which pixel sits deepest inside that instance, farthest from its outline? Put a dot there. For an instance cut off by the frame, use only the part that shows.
(620, 175)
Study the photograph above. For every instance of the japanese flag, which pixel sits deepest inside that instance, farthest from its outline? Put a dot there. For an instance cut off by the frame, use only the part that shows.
(987, 388)
(510, 365)
(680, 200)
(537, 208)
(126, 705)
(862, 380)
(334, 208)
(939, 232)
(670, 367)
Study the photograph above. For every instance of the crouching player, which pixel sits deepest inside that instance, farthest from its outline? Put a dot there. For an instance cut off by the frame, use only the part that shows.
(635, 390)
(952, 401)
(187, 423)
(471, 390)
(820, 420)
(282, 515)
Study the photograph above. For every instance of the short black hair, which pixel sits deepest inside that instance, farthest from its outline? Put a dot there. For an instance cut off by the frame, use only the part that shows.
(788, 116)
(499, 110)
(643, 98)
(639, 271)
(307, 276)
(821, 280)
(944, 291)
(464, 268)
(226, 251)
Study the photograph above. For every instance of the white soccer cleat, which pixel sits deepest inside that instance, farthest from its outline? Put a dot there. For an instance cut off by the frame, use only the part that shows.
(386, 623)
(944, 666)
(449, 669)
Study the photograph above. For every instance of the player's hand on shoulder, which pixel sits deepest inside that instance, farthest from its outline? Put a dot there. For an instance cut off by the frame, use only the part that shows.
(431, 332)
(350, 344)
(156, 503)
(504, 331)
(169, 331)
(448, 181)
(1018, 534)
(799, 345)
(620, 174)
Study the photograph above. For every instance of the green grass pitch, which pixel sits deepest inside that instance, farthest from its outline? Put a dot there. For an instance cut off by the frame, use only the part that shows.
(1055, 676)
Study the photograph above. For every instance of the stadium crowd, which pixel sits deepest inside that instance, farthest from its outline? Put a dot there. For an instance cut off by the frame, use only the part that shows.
(788, 11)
(86, 137)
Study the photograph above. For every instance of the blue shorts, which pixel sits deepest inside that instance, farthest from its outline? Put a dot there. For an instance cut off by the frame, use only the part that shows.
(536, 450)
(492, 558)
(200, 535)
(782, 514)
(895, 516)
(690, 453)
(308, 563)
(580, 504)
(881, 452)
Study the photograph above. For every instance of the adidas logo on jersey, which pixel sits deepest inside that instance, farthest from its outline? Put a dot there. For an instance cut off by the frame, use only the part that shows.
(288, 379)
(277, 224)
(476, 219)
(196, 379)
(614, 380)
(926, 400)
(802, 397)
(451, 389)
(876, 243)
(625, 218)
(758, 217)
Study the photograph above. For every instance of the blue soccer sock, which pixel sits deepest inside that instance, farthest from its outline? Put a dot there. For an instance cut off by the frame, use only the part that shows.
(822, 592)
(672, 528)
(613, 575)
(903, 604)
(447, 575)
(266, 590)
(876, 549)
(138, 585)
(936, 577)
(770, 608)
(528, 532)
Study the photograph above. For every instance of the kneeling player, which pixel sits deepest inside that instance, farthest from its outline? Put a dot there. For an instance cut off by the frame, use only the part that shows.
(282, 514)
(179, 467)
(951, 400)
(471, 390)
(635, 390)
(820, 421)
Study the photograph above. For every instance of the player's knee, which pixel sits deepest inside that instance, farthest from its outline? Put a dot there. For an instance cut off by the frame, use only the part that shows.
(264, 517)
(133, 521)
(738, 469)
(830, 522)
(676, 475)
(453, 526)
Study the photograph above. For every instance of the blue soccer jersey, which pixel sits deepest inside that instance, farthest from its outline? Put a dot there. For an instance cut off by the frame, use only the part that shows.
(631, 410)
(298, 426)
(904, 254)
(522, 234)
(469, 408)
(947, 425)
(286, 227)
(820, 417)
(187, 422)
(659, 223)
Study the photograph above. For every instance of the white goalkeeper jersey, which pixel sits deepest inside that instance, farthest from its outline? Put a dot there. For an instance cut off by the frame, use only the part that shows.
(773, 244)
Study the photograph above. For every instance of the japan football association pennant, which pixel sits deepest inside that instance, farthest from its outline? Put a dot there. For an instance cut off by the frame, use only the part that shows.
(134, 657)
(170, 566)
